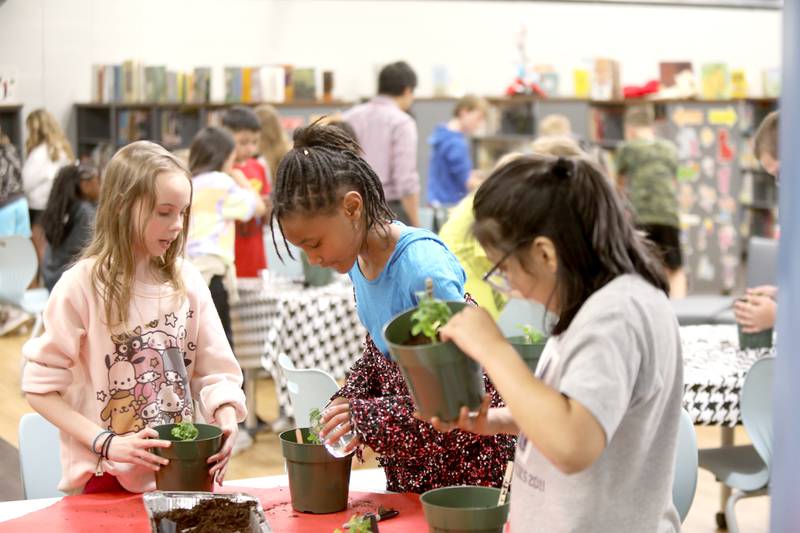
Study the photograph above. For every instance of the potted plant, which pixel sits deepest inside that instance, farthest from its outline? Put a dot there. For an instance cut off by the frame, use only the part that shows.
(367, 523)
(529, 345)
(192, 445)
(439, 376)
(464, 509)
(318, 482)
(762, 339)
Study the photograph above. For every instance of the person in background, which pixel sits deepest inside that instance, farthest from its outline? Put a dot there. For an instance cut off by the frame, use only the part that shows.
(388, 135)
(250, 254)
(48, 150)
(272, 141)
(131, 338)
(647, 170)
(220, 197)
(554, 125)
(758, 309)
(450, 173)
(68, 219)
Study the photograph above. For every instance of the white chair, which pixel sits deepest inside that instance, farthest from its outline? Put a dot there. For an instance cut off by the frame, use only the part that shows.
(520, 312)
(309, 389)
(684, 484)
(284, 265)
(747, 469)
(18, 267)
(39, 457)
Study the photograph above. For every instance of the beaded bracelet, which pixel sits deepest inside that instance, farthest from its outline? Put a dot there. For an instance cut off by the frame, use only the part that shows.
(94, 442)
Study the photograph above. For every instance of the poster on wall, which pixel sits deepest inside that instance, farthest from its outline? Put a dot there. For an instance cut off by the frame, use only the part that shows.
(8, 84)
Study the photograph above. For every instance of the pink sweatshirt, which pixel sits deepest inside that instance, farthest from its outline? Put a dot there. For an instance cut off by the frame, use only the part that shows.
(176, 352)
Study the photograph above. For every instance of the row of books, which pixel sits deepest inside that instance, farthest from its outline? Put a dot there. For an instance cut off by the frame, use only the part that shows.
(276, 83)
(132, 82)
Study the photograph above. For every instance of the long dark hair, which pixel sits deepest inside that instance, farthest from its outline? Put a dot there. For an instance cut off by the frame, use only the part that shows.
(209, 150)
(66, 192)
(312, 176)
(569, 201)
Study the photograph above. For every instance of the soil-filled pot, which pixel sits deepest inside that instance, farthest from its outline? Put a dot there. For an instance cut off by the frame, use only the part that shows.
(464, 509)
(439, 376)
(318, 482)
(188, 459)
(762, 339)
(315, 276)
(530, 353)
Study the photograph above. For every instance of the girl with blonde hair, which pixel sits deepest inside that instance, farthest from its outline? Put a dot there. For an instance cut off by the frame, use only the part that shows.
(132, 338)
(273, 143)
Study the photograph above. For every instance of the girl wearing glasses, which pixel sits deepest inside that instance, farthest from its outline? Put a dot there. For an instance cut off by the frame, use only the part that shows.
(598, 421)
(329, 202)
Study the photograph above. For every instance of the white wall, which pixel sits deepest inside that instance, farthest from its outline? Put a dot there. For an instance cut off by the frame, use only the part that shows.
(53, 43)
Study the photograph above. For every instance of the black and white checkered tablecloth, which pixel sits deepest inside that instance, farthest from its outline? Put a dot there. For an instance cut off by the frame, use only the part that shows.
(315, 327)
(714, 369)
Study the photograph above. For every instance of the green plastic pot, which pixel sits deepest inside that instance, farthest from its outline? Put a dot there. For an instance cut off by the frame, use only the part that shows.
(318, 482)
(439, 376)
(530, 353)
(462, 509)
(188, 459)
(762, 339)
(315, 276)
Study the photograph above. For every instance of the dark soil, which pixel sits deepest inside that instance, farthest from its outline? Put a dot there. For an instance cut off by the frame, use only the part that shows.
(214, 515)
(417, 340)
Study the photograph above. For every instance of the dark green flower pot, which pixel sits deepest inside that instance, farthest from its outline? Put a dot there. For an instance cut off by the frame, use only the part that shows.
(762, 339)
(464, 509)
(439, 376)
(318, 482)
(530, 353)
(315, 276)
(188, 460)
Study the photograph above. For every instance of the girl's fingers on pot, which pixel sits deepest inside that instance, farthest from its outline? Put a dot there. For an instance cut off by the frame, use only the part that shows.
(151, 458)
(153, 443)
(147, 433)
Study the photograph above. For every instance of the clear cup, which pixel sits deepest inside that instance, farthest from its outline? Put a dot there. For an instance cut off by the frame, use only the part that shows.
(337, 448)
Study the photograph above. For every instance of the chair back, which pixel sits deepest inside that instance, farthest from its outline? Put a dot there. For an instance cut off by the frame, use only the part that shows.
(756, 406)
(762, 261)
(309, 388)
(284, 265)
(18, 266)
(519, 312)
(39, 457)
(685, 482)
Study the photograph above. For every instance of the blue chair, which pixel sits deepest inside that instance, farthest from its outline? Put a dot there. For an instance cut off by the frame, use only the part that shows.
(18, 267)
(309, 389)
(685, 483)
(747, 469)
(39, 457)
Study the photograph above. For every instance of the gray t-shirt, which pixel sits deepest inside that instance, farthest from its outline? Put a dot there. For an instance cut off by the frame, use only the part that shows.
(621, 359)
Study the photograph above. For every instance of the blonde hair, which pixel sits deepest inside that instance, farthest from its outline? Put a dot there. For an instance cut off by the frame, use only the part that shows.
(129, 188)
(43, 128)
(555, 125)
(558, 146)
(273, 142)
(470, 102)
(640, 116)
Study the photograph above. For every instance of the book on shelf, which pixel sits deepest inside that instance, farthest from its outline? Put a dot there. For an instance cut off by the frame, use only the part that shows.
(606, 80)
(669, 70)
(202, 85)
(715, 81)
(771, 82)
(132, 125)
(739, 87)
(233, 84)
(305, 84)
(582, 84)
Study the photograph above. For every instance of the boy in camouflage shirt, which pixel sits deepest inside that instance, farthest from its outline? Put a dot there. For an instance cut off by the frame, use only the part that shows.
(647, 169)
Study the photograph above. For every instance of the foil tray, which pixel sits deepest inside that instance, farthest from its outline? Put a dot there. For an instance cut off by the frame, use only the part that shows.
(161, 502)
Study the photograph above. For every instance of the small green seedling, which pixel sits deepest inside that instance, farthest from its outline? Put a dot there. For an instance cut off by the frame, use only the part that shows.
(185, 431)
(314, 417)
(357, 524)
(531, 334)
(431, 314)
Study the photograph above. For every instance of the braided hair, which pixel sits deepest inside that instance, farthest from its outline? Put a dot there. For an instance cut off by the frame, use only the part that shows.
(313, 176)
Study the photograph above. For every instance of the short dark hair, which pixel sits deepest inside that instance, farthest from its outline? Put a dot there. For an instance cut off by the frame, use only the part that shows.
(569, 201)
(210, 148)
(311, 177)
(766, 139)
(241, 118)
(395, 78)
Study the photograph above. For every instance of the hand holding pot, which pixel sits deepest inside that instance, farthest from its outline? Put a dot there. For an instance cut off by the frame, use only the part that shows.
(475, 332)
(477, 423)
(337, 421)
(134, 449)
(755, 312)
(226, 420)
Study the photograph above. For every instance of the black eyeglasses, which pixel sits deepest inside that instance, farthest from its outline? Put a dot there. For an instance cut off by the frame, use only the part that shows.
(496, 278)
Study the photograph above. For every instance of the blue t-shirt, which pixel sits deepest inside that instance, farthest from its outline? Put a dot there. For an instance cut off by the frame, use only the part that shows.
(449, 167)
(418, 255)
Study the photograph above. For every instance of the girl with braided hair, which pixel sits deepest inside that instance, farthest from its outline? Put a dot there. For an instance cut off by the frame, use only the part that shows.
(330, 203)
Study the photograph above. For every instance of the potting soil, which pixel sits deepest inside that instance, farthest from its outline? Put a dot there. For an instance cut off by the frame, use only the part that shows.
(213, 515)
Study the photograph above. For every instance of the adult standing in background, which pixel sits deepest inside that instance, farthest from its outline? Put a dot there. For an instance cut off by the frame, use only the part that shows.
(388, 136)
(47, 151)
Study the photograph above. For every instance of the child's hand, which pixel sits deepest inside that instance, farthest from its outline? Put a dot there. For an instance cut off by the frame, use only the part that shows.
(134, 449)
(755, 313)
(477, 423)
(475, 332)
(765, 290)
(338, 412)
(225, 417)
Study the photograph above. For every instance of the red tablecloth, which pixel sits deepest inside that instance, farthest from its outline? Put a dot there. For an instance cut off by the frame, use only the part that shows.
(118, 513)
